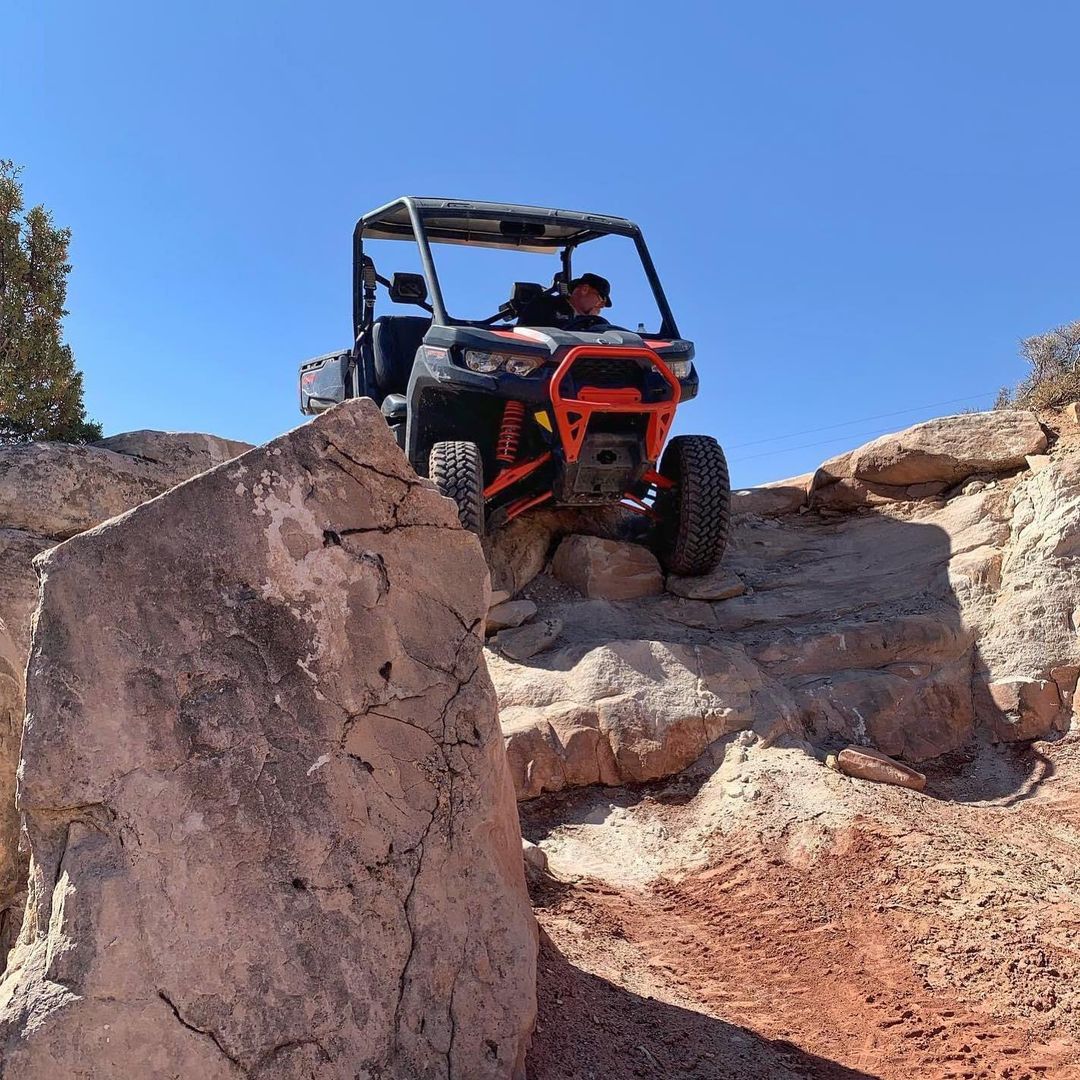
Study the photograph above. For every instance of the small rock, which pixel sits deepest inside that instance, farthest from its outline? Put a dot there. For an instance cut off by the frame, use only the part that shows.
(1024, 708)
(535, 857)
(867, 764)
(499, 596)
(974, 487)
(508, 614)
(721, 584)
(1037, 462)
(775, 499)
(524, 641)
(607, 569)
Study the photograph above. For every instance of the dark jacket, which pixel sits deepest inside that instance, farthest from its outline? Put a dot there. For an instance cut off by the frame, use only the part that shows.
(547, 311)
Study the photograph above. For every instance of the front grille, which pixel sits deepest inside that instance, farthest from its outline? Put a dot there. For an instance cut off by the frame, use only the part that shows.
(607, 372)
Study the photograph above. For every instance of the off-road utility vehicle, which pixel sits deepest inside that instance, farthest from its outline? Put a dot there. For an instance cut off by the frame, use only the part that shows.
(505, 417)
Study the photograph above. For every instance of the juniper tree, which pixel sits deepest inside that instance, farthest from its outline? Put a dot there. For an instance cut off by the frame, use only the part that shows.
(41, 392)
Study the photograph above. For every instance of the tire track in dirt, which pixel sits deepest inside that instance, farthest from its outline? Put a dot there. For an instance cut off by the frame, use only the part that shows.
(816, 956)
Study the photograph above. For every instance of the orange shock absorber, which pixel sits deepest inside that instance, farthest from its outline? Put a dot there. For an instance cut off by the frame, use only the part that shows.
(506, 447)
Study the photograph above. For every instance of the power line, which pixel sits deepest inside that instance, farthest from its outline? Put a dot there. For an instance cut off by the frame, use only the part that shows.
(820, 442)
(859, 420)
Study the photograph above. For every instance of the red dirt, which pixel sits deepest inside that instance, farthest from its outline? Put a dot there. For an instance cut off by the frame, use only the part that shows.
(935, 941)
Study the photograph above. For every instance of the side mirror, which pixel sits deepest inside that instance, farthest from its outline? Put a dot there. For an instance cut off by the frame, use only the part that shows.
(408, 289)
(525, 292)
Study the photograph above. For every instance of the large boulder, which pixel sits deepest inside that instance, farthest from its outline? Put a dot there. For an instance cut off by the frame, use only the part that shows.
(57, 490)
(628, 711)
(47, 492)
(518, 551)
(943, 451)
(1029, 626)
(18, 598)
(271, 823)
(772, 499)
(181, 454)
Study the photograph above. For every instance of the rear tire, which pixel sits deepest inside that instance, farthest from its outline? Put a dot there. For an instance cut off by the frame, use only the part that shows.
(694, 514)
(458, 472)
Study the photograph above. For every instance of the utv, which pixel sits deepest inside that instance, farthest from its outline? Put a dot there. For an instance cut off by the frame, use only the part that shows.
(505, 417)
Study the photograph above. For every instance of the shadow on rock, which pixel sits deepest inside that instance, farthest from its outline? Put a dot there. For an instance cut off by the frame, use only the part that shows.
(992, 774)
(850, 632)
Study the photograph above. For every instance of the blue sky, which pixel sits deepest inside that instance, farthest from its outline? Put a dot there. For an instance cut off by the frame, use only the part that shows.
(857, 209)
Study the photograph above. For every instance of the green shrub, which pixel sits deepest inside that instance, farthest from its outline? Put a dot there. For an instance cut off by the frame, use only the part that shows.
(41, 392)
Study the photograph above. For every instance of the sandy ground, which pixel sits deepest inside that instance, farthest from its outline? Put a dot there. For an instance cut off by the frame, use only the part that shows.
(766, 917)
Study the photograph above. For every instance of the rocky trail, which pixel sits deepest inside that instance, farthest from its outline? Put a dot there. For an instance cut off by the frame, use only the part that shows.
(276, 722)
(729, 906)
(882, 933)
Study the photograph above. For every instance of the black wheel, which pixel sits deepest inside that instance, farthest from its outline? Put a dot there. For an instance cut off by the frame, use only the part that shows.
(695, 512)
(458, 472)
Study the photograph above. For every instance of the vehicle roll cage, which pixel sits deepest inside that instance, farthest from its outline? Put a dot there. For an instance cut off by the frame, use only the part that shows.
(483, 224)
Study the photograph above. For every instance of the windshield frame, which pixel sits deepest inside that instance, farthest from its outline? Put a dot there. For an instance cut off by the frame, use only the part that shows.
(576, 229)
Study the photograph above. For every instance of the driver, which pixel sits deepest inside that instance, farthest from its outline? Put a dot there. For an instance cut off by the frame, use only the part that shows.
(589, 295)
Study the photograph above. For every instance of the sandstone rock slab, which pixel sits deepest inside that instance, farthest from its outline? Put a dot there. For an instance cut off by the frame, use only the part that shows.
(607, 569)
(523, 642)
(58, 490)
(18, 598)
(948, 449)
(773, 499)
(628, 711)
(509, 613)
(179, 454)
(721, 584)
(271, 823)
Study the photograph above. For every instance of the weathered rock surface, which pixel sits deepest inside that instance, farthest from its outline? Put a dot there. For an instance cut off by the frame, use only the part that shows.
(18, 598)
(946, 450)
(945, 610)
(271, 823)
(509, 613)
(721, 584)
(628, 711)
(180, 454)
(47, 492)
(772, 500)
(57, 490)
(607, 569)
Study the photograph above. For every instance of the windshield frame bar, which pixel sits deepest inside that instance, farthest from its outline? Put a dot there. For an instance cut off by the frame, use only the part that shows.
(440, 317)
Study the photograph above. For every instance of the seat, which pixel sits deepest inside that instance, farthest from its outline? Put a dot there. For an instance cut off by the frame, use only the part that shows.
(394, 341)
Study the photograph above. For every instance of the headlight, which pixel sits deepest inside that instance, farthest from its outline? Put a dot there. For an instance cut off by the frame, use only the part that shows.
(485, 361)
(679, 368)
(496, 361)
(523, 365)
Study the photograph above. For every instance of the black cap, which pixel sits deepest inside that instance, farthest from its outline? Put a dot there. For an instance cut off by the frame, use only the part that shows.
(601, 285)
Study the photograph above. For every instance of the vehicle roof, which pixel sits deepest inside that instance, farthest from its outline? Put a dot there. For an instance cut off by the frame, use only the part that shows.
(488, 224)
